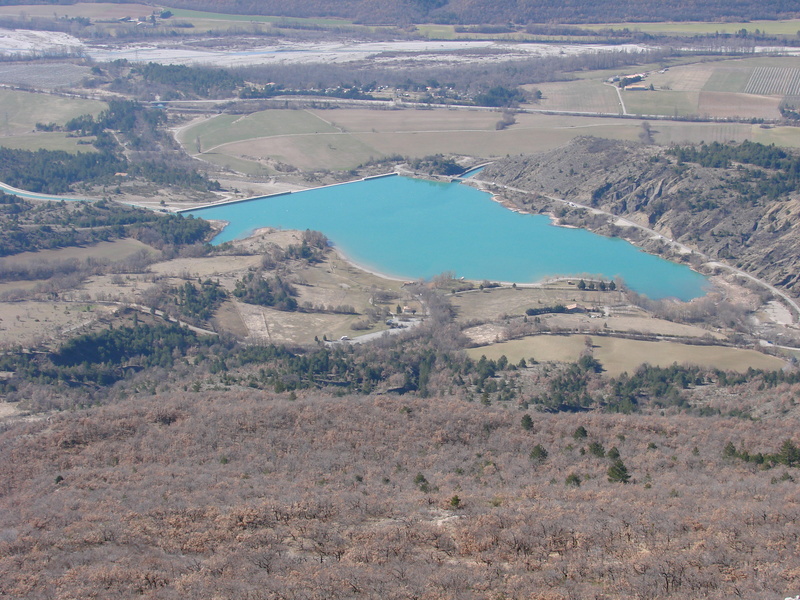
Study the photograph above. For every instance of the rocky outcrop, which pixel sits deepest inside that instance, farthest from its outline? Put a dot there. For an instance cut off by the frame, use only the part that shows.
(711, 210)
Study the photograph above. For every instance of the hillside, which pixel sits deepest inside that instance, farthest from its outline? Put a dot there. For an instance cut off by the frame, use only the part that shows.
(487, 11)
(243, 494)
(717, 199)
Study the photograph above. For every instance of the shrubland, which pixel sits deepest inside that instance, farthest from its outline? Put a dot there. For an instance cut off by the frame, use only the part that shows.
(251, 494)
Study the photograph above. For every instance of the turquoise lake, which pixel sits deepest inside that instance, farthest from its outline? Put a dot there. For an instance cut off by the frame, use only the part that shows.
(413, 228)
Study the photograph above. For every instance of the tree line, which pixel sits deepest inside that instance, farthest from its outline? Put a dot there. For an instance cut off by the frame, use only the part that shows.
(28, 226)
(777, 176)
(55, 171)
(485, 11)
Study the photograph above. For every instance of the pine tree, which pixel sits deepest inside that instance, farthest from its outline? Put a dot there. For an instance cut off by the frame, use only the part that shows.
(538, 454)
(789, 454)
(527, 422)
(618, 473)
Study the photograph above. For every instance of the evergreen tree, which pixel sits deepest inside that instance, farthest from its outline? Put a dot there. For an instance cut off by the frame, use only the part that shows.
(527, 422)
(538, 454)
(618, 473)
(789, 454)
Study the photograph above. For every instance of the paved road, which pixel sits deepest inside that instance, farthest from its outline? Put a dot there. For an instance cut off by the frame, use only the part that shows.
(368, 337)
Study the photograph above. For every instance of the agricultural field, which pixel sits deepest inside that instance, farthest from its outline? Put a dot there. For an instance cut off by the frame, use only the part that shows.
(46, 141)
(751, 88)
(112, 251)
(29, 323)
(250, 168)
(20, 111)
(585, 96)
(662, 103)
(494, 303)
(360, 135)
(42, 75)
(787, 27)
(209, 20)
(774, 81)
(90, 10)
(224, 129)
(619, 355)
(345, 138)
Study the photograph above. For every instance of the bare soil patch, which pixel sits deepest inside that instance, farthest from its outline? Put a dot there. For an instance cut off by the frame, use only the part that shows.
(225, 268)
(30, 323)
(279, 327)
(7, 409)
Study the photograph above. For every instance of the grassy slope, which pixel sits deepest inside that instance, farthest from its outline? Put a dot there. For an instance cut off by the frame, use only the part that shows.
(620, 355)
(20, 111)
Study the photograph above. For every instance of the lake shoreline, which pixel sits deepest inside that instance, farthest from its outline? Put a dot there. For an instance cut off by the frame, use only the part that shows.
(419, 228)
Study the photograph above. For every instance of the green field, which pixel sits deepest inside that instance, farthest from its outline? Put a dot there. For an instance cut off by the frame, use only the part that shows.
(342, 139)
(224, 129)
(690, 28)
(664, 103)
(192, 15)
(728, 79)
(587, 95)
(92, 10)
(45, 141)
(789, 27)
(20, 111)
(619, 355)
(233, 163)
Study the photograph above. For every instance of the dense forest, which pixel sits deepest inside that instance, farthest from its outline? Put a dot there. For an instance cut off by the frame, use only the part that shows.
(54, 171)
(486, 11)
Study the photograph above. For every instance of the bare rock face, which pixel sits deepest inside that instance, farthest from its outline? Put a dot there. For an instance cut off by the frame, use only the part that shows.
(723, 212)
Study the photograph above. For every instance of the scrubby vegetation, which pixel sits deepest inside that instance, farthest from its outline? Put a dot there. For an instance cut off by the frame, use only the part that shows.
(54, 171)
(247, 494)
(255, 289)
(29, 226)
